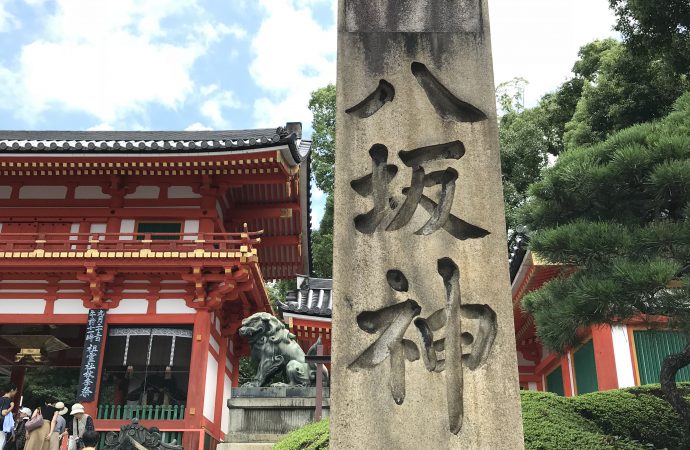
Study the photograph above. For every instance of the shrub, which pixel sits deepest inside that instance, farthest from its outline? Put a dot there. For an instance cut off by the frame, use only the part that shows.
(313, 436)
(553, 422)
(626, 419)
(638, 413)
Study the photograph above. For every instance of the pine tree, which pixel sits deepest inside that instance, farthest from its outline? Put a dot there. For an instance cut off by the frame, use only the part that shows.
(619, 213)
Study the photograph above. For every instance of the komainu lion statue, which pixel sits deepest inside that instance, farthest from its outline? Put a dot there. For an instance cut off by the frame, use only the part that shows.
(274, 348)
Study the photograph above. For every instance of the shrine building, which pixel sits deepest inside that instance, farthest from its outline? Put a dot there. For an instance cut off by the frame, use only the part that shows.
(621, 355)
(129, 259)
(307, 311)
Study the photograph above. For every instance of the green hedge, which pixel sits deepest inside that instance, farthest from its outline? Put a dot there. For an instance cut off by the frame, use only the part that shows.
(310, 437)
(626, 419)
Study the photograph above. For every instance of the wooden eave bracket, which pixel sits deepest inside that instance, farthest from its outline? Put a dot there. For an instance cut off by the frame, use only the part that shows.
(98, 283)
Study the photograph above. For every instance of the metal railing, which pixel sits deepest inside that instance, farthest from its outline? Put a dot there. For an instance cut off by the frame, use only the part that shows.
(130, 242)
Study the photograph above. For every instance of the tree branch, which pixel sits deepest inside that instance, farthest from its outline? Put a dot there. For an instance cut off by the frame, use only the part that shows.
(670, 367)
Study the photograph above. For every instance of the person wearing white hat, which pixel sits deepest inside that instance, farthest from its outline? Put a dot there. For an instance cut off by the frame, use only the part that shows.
(17, 440)
(60, 426)
(81, 422)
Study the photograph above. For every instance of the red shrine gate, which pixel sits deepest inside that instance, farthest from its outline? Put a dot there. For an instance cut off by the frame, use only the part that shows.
(172, 234)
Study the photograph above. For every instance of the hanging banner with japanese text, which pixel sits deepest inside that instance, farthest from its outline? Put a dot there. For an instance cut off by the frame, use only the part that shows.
(93, 344)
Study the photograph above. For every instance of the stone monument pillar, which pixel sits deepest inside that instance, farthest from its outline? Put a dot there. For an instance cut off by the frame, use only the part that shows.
(423, 342)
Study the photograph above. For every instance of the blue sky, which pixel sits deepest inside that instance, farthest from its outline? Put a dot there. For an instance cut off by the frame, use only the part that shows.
(227, 64)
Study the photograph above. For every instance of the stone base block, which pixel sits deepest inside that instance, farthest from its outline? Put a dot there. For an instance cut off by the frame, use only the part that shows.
(264, 415)
(245, 446)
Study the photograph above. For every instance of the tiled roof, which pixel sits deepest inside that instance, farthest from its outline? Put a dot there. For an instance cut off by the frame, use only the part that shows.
(153, 142)
(313, 297)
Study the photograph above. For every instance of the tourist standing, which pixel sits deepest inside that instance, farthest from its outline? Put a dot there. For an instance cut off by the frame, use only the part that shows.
(60, 426)
(6, 407)
(18, 439)
(81, 423)
(39, 438)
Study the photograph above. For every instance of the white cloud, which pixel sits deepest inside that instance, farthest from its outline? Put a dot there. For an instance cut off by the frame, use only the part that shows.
(197, 126)
(8, 21)
(101, 127)
(539, 39)
(289, 25)
(112, 58)
(212, 108)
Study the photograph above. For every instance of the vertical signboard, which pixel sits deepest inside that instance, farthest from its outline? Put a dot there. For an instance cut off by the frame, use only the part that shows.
(93, 346)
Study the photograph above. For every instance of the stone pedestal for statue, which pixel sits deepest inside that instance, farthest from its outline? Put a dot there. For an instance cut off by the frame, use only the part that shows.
(260, 416)
(423, 339)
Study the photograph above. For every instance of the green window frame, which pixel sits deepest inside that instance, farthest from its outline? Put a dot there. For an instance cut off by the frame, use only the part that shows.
(652, 346)
(554, 382)
(159, 227)
(585, 369)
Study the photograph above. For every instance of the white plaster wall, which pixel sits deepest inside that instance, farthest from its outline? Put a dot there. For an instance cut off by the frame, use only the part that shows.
(98, 228)
(522, 361)
(173, 306)
(5, 191)
(126, 226)
(49, 192)
(191, 226)
(89, 192)
(532, 385)
(145, 192)
(131, 306)
(22, 306)
(210, 388)
(73, 229)
(69, 306)
(622, 356)
(227, 393)
(570, 371)
(182, 192)
(213, 343)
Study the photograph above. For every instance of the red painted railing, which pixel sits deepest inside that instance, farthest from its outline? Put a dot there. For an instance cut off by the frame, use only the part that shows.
(130, 242)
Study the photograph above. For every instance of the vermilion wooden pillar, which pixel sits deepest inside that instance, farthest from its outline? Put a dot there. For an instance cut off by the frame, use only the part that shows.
(602, 340)
(567, 376)
(197, 376)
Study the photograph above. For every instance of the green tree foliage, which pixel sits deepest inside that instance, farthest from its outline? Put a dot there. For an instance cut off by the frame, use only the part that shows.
(618, 212)
(322, 243)
(278, 290)
(620, 89)
(41, 383)
(523, 146)
(656, 27)
(626, 419)
(322, 105)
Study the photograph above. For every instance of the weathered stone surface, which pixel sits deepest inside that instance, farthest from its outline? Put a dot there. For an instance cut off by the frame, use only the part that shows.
(264, 415)
(423, 341)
